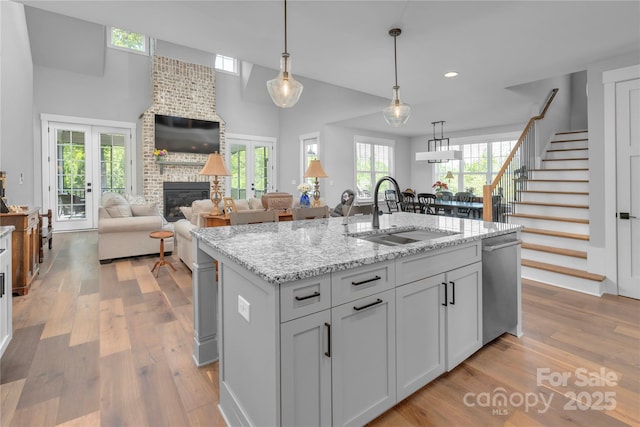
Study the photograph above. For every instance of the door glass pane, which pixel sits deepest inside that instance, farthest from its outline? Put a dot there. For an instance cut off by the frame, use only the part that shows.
(70, 150)
(260, 170)
(112, 163)
(238, 171)
(310, 148)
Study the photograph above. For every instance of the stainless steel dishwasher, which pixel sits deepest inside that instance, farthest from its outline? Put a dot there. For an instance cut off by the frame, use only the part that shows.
(500, 276)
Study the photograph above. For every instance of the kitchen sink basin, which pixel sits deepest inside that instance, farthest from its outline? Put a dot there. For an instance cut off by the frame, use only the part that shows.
(397, 238)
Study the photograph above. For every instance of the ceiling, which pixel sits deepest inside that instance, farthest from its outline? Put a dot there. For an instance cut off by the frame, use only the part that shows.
(494, 45)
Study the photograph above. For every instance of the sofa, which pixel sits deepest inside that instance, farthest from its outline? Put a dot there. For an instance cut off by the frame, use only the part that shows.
(124, 224)
(194, 218)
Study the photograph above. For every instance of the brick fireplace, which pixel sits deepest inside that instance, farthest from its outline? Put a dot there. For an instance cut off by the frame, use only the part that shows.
(184, 90)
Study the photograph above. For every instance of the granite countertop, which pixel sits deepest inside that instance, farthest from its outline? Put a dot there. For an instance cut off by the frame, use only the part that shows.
(6, 229)
(288, 251)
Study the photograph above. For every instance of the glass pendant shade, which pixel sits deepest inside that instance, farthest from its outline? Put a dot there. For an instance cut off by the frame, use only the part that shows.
(397, 113)
(285, 91)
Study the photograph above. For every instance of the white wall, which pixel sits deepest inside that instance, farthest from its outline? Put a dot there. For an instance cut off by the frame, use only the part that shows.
(16, 111)
(597, 183)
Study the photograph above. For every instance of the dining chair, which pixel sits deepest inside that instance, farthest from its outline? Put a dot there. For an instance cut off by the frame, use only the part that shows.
(253, 217)
(445, 196)
(425, 203)
(391, 198)
(408, 201)
(351, 210)
(463, 196)
(310, 213)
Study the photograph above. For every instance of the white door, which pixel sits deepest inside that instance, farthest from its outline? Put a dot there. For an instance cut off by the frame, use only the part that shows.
(251, 162)
(628, 186)
(83, 161)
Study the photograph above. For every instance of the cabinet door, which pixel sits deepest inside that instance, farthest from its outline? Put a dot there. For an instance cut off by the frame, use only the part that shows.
(363, 358)
(420, 333)
(5, 302)
(306, 370)
(464, 313)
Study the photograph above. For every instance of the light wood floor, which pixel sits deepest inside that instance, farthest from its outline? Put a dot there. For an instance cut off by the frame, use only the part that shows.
(111, 345)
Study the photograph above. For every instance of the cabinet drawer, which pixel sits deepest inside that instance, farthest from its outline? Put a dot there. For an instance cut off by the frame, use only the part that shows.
(362, 281)
(304, 297)
(425, 265)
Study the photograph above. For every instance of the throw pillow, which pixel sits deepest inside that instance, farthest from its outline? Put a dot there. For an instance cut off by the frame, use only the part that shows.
(116, 205)
(148, 209)
(187, 211)
(198, 207)
(134, 199)
(242, 205)
(255, 204)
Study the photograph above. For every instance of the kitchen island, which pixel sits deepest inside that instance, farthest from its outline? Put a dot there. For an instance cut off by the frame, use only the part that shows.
(324, 323)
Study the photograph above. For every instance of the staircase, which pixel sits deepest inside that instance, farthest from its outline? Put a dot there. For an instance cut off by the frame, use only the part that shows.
(554, 209)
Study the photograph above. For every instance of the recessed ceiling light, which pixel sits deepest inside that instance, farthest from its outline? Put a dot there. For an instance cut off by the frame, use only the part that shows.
(451, 74)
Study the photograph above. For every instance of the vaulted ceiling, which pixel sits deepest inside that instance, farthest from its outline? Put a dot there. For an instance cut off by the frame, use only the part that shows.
(494, 45)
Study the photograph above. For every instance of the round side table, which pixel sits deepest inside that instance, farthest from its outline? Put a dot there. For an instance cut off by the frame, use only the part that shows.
(161, 235)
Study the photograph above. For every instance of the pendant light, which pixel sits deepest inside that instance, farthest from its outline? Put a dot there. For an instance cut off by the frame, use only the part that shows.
(397, 113)
(284, 89)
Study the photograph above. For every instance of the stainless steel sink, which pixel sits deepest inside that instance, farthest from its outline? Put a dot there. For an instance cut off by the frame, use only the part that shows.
(405, 237)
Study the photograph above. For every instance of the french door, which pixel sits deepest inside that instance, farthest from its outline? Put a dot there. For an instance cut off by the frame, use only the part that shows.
(80, 162)
(251, 162)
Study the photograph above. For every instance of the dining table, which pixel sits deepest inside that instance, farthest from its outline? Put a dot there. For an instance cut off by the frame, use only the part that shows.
(454, 205)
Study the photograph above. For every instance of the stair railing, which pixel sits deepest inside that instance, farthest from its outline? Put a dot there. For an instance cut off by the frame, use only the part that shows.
(498, 197)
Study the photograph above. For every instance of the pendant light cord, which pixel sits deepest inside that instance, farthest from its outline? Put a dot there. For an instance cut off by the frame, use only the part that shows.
(395, 57)
(285, 26)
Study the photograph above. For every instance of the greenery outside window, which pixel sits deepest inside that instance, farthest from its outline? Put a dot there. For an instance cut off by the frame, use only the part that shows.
(374, 158)
(475, 170)
(127, 40)
(112, 163)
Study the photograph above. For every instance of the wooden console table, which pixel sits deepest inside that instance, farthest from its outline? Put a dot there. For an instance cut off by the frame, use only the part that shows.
(221, 220)
(25, 247)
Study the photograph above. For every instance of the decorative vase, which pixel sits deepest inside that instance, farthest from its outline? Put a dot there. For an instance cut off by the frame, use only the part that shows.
(304, 201)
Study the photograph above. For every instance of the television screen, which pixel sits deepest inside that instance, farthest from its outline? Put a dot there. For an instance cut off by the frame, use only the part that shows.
(180, 135)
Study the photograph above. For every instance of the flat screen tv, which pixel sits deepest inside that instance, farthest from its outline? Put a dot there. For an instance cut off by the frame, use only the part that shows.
(180, 135)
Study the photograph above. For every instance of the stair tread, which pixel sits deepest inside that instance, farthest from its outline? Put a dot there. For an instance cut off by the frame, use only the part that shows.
(568, 132)
(558, 180)
(563, 270)
(559, 169)
(555, 150)
(580, 193)
(554, 233)
(570, 140)
(555, 250)
(550, 218)
(555, 205)
(560, 160)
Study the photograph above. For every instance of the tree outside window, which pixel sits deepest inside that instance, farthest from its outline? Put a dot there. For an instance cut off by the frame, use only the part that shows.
(373, 161)
(128, 40)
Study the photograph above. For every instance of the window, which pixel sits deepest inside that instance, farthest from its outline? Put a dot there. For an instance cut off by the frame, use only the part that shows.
(475, 170)
(127, 40)
(112, 162)
(226, 64)
(374, 159)
(310, 151)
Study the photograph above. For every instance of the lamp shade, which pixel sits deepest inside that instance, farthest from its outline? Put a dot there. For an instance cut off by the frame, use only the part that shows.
(449, 175)
(315, 170)
(215, 166)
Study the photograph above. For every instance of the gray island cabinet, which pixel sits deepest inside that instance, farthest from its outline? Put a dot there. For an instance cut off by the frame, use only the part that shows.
(315, 325)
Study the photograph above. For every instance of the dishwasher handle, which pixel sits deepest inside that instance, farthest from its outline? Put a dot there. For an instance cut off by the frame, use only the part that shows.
(502, 246)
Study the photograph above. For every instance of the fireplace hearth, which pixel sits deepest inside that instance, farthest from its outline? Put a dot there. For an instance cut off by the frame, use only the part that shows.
(177, 194)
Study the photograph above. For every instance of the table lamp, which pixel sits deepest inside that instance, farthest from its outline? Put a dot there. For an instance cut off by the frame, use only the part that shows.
(215, 167)
(449, 177)
(315, 171)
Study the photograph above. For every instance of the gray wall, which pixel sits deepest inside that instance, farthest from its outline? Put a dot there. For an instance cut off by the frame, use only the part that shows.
(579, 116)
(16, 112)
(597, 184)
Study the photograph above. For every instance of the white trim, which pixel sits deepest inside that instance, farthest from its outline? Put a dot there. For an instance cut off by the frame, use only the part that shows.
(302, 138)
(87, 121)
(250, 137)
(621, 74)
(609, 80)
